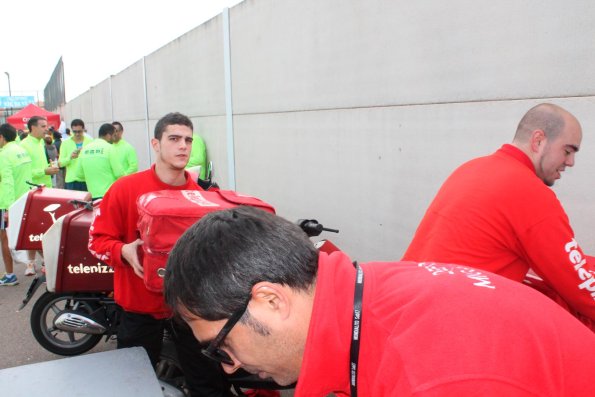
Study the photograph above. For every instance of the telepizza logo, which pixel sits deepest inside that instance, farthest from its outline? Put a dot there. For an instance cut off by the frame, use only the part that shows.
(89, 269)
(35, 237)
(576, 257)
(51, 210)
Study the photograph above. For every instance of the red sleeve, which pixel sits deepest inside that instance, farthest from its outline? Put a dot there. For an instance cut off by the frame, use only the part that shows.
(557, 258)
(107, 232)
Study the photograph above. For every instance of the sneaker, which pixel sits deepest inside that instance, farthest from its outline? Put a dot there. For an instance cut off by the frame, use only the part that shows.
(9, 280)
(30, 270)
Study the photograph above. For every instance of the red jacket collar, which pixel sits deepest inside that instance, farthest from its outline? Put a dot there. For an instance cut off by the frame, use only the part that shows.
(517, 154)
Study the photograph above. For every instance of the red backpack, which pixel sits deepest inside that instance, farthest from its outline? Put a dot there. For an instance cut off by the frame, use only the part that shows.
(166, 214)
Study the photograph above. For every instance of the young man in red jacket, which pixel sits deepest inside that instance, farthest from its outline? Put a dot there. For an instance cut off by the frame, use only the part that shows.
(114, 240)
(498, 213)
(252, 286)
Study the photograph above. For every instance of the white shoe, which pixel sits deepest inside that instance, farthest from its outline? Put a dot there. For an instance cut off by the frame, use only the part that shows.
(30, 270)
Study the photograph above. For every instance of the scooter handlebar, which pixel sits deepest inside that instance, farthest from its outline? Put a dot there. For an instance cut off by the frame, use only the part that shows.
(313, 228)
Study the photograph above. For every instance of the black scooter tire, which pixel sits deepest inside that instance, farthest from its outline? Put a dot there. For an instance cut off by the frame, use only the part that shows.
(64, 343)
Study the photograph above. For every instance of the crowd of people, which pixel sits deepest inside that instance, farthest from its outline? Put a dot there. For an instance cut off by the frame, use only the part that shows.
(247, 289)
(74, 161)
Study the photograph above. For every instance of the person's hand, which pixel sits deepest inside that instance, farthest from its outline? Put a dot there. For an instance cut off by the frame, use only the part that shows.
(75, 154)
(52, 170)
(130, 255)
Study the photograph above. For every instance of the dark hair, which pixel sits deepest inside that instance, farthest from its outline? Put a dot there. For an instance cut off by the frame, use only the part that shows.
(106, 129)
(8, 132)
(215, 264)
(77, 122)
(57, 135)
(171, 119)
(118, 124)
(33, 121)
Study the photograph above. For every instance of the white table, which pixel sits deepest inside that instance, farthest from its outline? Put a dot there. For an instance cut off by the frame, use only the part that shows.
(116, 373)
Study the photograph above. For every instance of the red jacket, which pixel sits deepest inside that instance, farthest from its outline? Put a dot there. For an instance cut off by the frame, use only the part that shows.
(115, 224)
(441, 330)
(494, 213)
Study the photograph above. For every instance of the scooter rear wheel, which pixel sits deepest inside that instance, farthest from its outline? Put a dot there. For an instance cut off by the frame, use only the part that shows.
(65, 343)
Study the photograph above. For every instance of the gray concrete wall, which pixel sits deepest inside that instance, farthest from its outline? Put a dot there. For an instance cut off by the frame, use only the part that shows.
(128, 98)
(355, 112)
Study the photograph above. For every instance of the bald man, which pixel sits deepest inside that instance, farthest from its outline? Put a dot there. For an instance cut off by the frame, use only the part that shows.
(497, 213)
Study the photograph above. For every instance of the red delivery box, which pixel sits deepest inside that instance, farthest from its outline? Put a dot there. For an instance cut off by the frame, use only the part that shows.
(165, 215)
(69, 266)
(35, 211)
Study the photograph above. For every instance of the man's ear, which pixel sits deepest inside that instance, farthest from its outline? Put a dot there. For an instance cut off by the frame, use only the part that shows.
(537, 141)
(271, 299)
(155, 144)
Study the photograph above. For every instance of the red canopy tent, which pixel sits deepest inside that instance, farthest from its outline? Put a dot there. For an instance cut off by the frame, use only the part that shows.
(19, 120)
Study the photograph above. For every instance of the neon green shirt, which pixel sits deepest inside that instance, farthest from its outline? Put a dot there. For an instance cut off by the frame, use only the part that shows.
(15, 171)
(99, 167)
(35, 148)
(66, 148)
(126, 155)
(198, 155)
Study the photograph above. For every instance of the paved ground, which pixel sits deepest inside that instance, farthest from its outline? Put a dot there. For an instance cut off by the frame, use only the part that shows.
(18, 345)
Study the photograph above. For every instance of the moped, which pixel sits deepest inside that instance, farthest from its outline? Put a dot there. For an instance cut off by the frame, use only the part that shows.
(78, 310)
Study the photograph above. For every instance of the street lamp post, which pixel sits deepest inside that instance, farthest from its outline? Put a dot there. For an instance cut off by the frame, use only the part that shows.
(9, 90)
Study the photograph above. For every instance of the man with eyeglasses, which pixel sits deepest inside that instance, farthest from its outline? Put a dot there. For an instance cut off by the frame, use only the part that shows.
(113, 238)
(252, 286)
(69, 155)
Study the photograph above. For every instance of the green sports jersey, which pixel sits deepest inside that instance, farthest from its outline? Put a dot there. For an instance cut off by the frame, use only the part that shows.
(98, 167)
(15, 172)
(66, 149)
(35, 148)
(198, 155)
(126, 155)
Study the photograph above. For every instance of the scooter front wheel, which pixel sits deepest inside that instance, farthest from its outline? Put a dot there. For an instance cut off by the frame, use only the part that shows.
(65, 343)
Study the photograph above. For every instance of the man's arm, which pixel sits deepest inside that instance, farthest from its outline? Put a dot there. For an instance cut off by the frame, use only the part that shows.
(38, 163)
(107, 231)
(78, 171)
(132, 160)
(198, 155)
(115, 163)
(107, 239)
(557, 258)
(6, 183)
(65, 157)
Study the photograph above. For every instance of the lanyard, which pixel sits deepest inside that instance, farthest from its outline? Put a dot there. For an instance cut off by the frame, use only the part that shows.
(356, 334)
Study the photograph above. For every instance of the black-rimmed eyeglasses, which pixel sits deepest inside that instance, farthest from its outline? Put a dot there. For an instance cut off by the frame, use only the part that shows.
(213, 351)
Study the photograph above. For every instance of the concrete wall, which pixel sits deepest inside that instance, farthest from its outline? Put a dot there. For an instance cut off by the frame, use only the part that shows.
(355, 112)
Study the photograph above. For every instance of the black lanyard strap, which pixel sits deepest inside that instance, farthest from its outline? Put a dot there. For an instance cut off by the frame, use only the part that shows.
(357, 324)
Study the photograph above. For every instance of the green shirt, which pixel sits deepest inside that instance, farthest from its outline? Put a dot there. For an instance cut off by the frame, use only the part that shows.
(198, 155)
(126, 155)
(99, 167)
(66, 148)
(36, 149)
(15, 171)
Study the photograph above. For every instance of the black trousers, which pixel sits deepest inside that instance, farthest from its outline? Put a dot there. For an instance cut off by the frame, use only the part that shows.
(204, 377)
